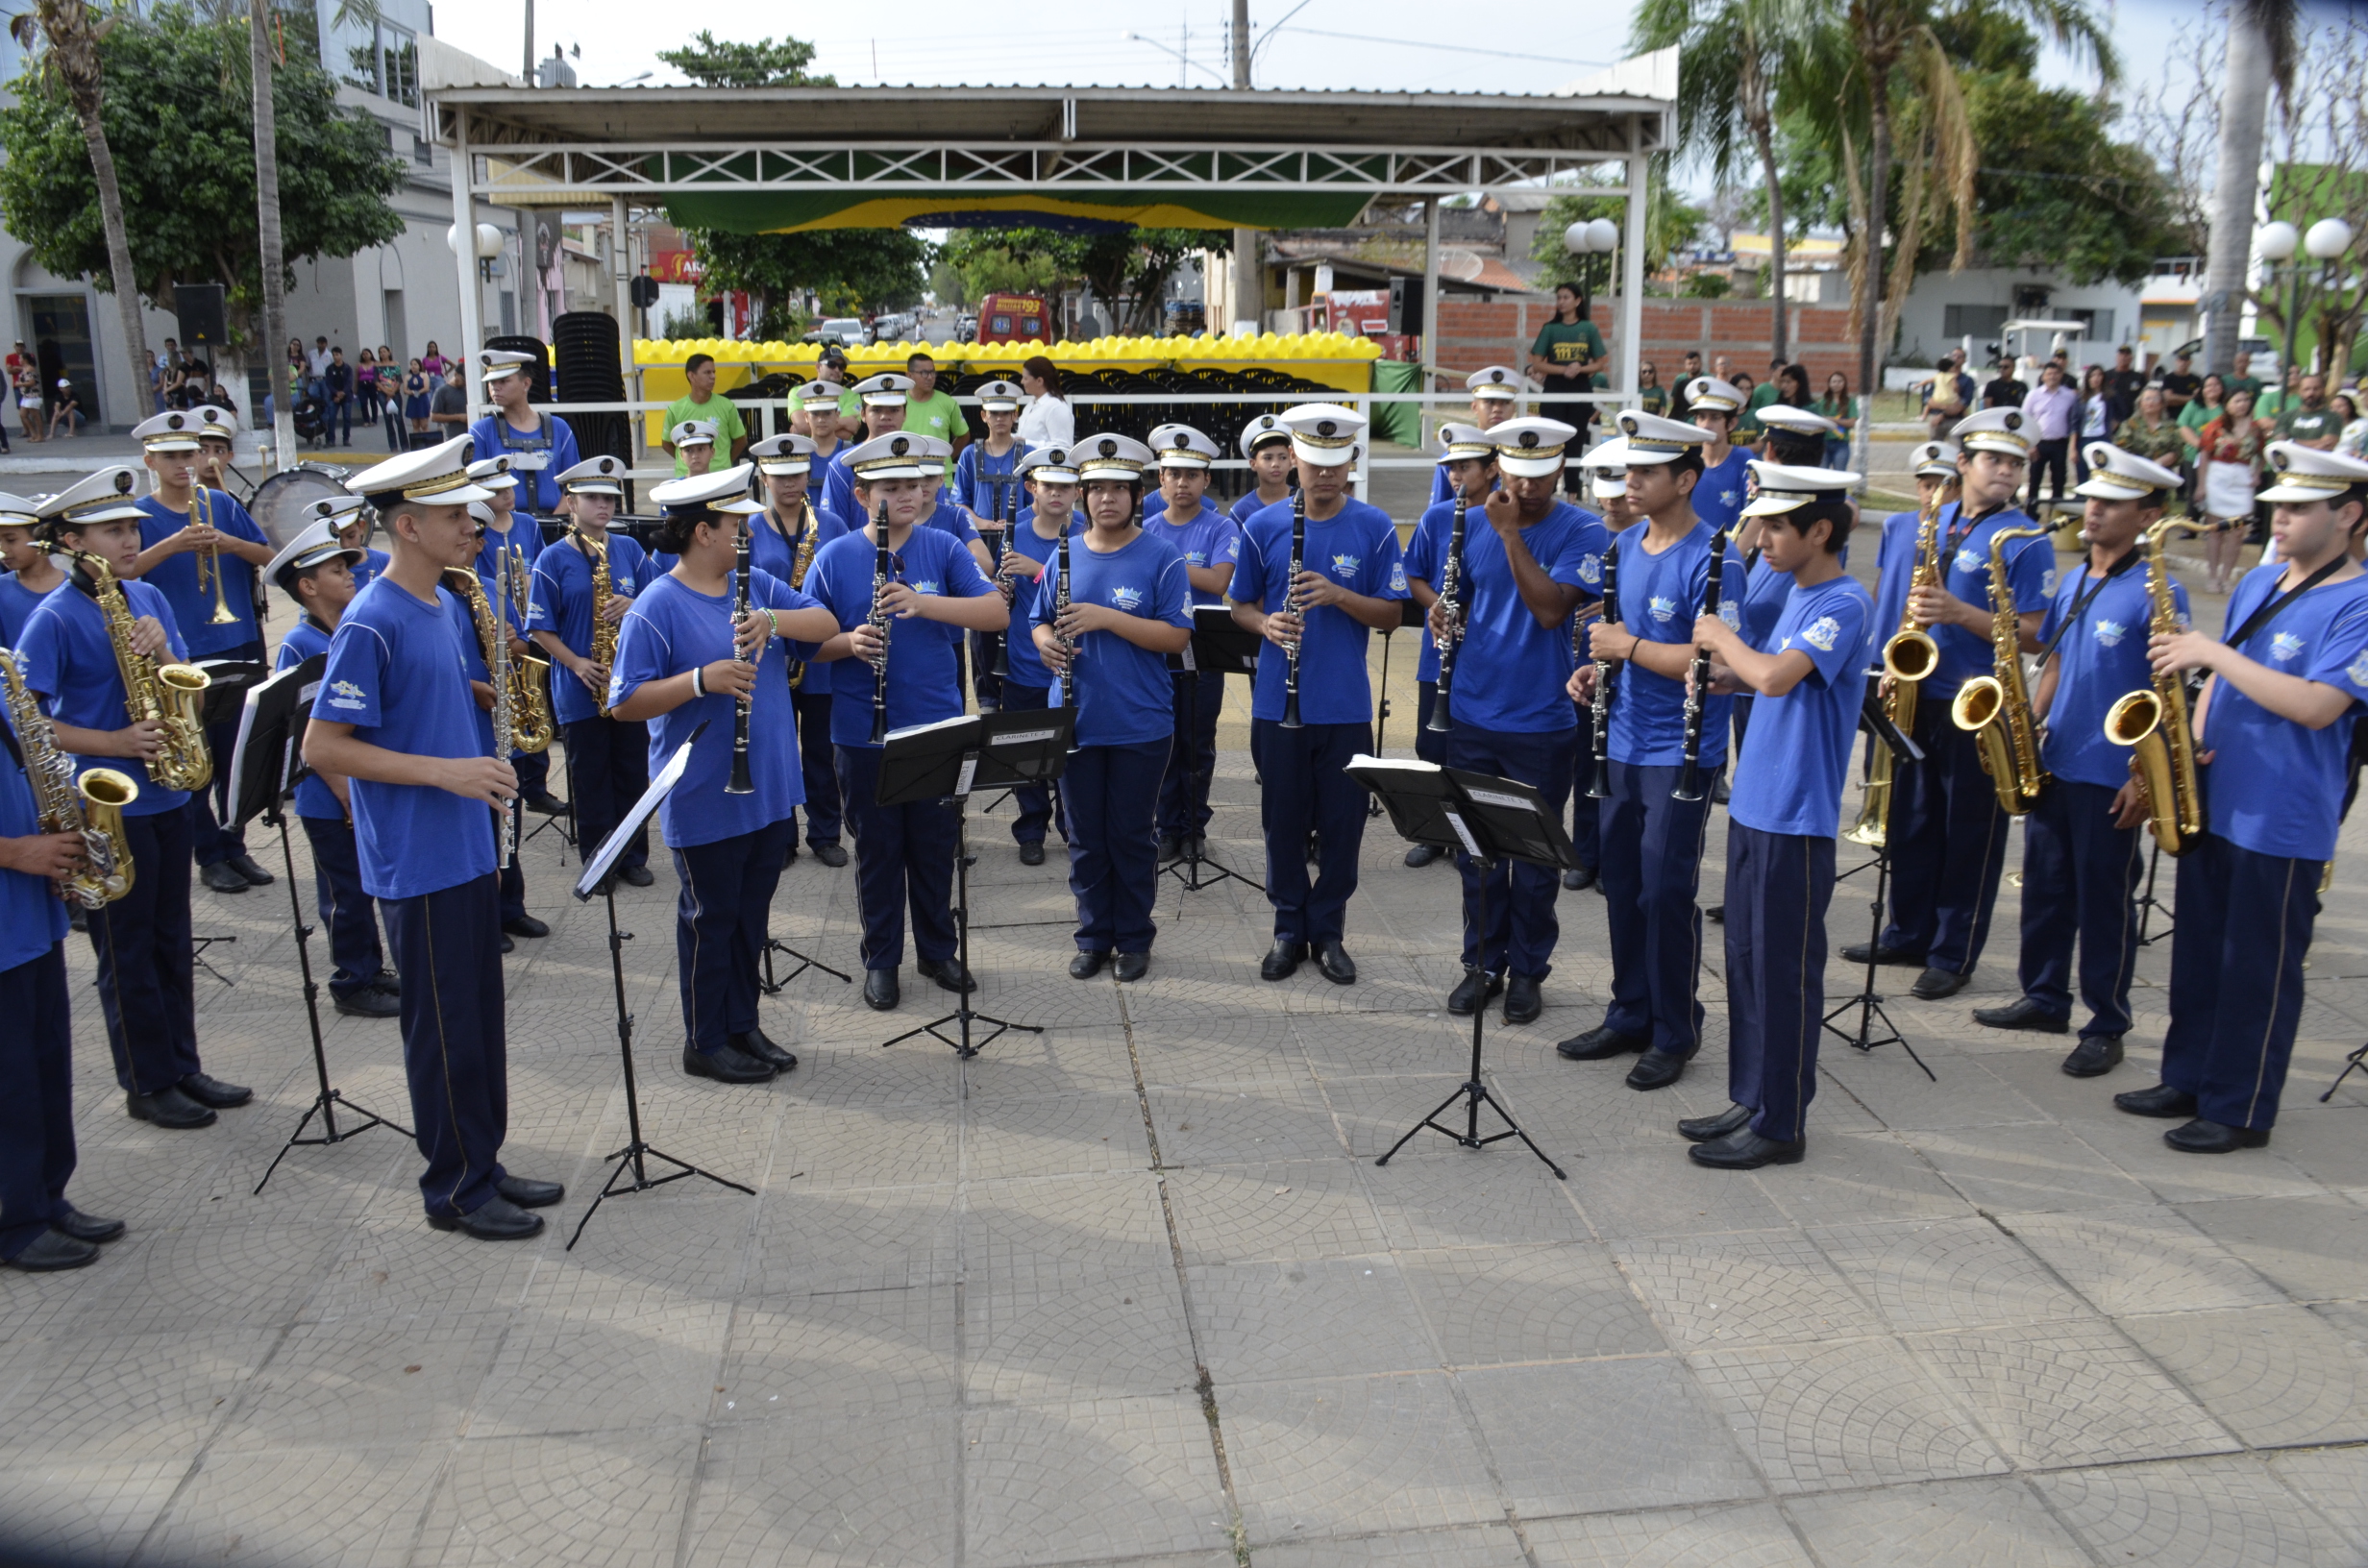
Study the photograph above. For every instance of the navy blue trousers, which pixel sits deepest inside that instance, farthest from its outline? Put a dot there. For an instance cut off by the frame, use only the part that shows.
(1034, 800)
(816, 763)
(607, 768)
(903, 863)
(983, 679)
(2236, 978)
(2080, 881)
(1111, 795)
(448, 947)
(1430, 745)
(37, 1111)
(533, 770)
(1184, 789)
(147, 988)
(720, 930)
(209, 808)
(1948, 845)
(1585, 811)
(348, 914)
(1778, 885)
(1652, 865)
(1306, 790)
(1522, 929)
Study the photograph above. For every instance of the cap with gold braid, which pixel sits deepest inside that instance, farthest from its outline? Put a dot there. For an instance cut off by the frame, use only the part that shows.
(2005, 432)
(1049, 465)
(1653, 439)
(215, 421)
(1531, 449)
(1461, 443)
(595, 477)
(316, 544)
(492, 473)
(438, 476)
(1110, 456)
(693, 432)
(2115, 475)
(897, 455)
(818, 392)
(1718, 395)
(340, 510)
(999, 397)
(1263, 430)
(174, 431)
(1778, 416)
(1935, 459)
(727, 491)
(16, 512)
(1786, 488)
(104, 497)
(500, 364)
(1500, 382)
(786, 454)
(1607, 465)
(1180, 446)
(2306, 474)
(885, 389)
(1324, 433)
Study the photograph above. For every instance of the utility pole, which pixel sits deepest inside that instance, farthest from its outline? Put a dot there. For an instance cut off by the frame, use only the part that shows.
(1248, 278)
(526, 73)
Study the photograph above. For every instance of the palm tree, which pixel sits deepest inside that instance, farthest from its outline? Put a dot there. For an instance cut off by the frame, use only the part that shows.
(72, 31)
(273, 259)
(2261, 52)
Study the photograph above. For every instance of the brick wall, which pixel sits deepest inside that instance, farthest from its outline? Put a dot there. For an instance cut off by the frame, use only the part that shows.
(1472, 333)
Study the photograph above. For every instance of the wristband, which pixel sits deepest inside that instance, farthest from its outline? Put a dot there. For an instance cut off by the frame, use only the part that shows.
(699, 680)
(775, 617)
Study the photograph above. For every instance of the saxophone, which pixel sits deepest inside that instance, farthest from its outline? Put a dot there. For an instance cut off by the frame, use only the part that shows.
(603, 630)
(809, 527)
(2152, 721)
(170, 694)
(1996, 707)
(530, 698)
(1907, 658)
(91, 805)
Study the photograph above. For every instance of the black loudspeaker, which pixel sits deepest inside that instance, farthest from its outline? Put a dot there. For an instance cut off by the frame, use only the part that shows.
(538, 370)
(644, 293)
(1405, 305)
(199, 305)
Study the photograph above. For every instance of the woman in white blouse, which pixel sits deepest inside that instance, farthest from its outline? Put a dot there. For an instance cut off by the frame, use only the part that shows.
(1047, 421)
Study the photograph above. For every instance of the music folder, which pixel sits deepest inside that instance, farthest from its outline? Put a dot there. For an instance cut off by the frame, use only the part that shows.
(1486, 816)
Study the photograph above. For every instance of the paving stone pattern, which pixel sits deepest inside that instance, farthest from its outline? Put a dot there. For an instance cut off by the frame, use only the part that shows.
(1132, 1290)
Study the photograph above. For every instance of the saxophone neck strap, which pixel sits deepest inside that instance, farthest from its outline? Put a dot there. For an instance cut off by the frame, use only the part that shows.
(2270, 611)
(2088, 597)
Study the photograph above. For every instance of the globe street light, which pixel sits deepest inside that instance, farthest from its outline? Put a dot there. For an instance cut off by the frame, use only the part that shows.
(2327, 238)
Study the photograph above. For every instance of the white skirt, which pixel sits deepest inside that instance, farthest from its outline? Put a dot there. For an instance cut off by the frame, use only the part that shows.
(2227, 491)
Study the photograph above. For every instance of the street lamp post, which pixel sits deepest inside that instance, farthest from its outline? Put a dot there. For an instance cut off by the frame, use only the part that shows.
(2327, 240)
(2277, 242)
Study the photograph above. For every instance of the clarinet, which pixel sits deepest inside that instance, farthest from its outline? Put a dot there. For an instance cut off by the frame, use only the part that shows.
(1697, 697)
(1599, 788)
(740, 783)
(504, 716)
(1000, 665)
(881, 566)
(1291, 601)
(1060, 607)
(1451, 592)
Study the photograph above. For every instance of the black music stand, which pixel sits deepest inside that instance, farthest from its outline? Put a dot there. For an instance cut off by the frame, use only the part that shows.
(1491, 820)
(944, 762)
(224, 701)
(1218, 643)
(2149, 906)
(266, 765)
(1411, 617)
(633, 1158)
(1869, 1001)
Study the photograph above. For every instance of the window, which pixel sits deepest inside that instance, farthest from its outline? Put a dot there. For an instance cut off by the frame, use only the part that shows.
(423, 151)
(1972, 321)
(2097, 325)
(383, 58)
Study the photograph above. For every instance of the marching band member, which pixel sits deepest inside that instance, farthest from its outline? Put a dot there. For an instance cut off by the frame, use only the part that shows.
(515, 921)
(355, 532)
(881, 398)
(684, 661)
(1784, 814)
(316, 571)
(1531, 563)
(217, 431)
(2083, 840)
(1947, 833)
(1129, 606)
(940, 510)
(1935, 466)
(200, 550)
(933, 592)
(1652, 842)
(396, 716)
(143, 939)
(1496, 397)
(1265, 441)
(540, 446)
(512, 542)
(693, 442)
(782, 540)
(1795, 439)
(816, 404)
(2274, 733)
(1210, 543)
(1350, 577)
(986, 481)
(608, 758)
(1468, 458)
(1052, 487)
(1715, 407)
(29, 577)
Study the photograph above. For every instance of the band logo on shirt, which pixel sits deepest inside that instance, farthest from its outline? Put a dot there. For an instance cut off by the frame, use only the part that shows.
(1820, 636)
(1662, 608)
(1344, 566)
(2356, 672)
(1590, 569)
(1968, 561)
(348, 696)
(1398, 576)
(2285, 647)
(923, 586)
(1126, 599)
(2111, 632)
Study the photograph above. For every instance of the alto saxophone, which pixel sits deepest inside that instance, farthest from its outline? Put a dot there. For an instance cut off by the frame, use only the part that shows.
(172, 695)
(1996, 707)
(91, 805)
(2152, 721)
(529, 696)
(799, 565)
(1908, 658)
(603, 630)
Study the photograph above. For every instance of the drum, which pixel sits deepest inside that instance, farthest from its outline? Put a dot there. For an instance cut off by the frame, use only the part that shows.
(282, 504)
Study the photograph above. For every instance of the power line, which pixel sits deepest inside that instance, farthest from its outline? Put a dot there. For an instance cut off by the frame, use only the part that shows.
(1438, 48)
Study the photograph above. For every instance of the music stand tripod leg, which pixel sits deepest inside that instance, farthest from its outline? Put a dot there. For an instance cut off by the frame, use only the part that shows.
(1869, 1001)
(963, 1014)
(1187, 868)
(2357, 1059)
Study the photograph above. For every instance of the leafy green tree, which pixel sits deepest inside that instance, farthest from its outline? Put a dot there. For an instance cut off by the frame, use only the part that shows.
(763, 63)
(1128, 269)
(848, 270)
(1670, 224)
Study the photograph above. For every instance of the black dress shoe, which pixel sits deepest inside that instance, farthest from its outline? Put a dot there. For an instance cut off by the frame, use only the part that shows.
(386, 981)
(1601, 1044)
(1196, 845)
(1423, 854)
(1087, 964)
(2162, 1100)
(2095, 1056)
(724, 1064)
(1129, 967)
(213, 1091)
(169, 1108)
(947, 972)
(2203, 1137)
(1032, 853)
(1933, 985)
(1707, 1129)
(1282, 960)
(640, 876)
(756, 1044)
(2022, 1013)
(245, 865)
(222, 878)
(1746, 1150)
(1333, 963)
(496, 1219)
(1578, 880)
(526, 925)
(72, 1221)
(1522, 1003)
(1657, 1069)
(1472, 994)
(879, 989)
(49, 1251)
(528, 1193)
(507, 945)
(1716, 913)
(1857, 951)
(369, 1002)
(1170, 846)
(830, 852)
(546, 804)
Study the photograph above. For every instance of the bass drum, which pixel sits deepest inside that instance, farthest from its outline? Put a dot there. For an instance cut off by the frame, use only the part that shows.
(282, 504)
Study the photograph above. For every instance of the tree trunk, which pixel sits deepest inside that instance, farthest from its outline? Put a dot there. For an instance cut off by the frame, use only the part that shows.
(1775, 240)
(1878, 201)
(273, 259)
(2244, 104)
(118, 257)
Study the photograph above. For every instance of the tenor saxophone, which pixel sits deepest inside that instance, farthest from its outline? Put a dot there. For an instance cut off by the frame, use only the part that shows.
(603, 630)
(172, 695)
(529, 692)
(91, 805)
(810, 530)
(1908, 658)
(1996, 707)
(2152, 721)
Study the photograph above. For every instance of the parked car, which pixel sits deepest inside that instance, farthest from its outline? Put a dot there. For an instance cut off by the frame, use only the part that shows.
(966, 328)
(844, 330)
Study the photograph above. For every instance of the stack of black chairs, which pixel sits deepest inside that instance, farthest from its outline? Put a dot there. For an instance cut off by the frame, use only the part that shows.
(591, 371)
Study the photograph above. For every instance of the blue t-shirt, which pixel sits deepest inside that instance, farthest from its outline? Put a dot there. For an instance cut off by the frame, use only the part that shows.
(67, 658)
(922, 686)
(1964, 571)
(563, 604)
(1718, 493)
(1426, 558)
(1155, 499)
(1356, 547)
(1210, 539)
(372, 563)
(537, 457)
(769, 552)
(524, 539)
(2099, 661)
(1660, 598)
(1894, 564)
(1763, 600)
(1028, 666)
(1789, 778)
(975, 475)
(1244, 506)
(2277, 787)
(948, 517)
(176, 576)
(1124, 694)
(673, 627)
(17, 605)
(32, 918)
(399, 673)
(304, 638)
(1510, 672)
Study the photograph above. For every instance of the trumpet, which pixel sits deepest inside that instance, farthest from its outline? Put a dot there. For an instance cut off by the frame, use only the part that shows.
(1908, 658)
(210, 565)
(1996, 707)
(2152, 721)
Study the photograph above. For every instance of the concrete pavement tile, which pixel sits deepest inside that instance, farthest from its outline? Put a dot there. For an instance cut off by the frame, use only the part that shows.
(1245, 1124)
(1648, 1188)
(2275, 1376)
(1765, 1288)
(592, 1369)
(127, 1170)
(1238, 1048)
(1063, 1336)
(368, 1383)
(85, 1510)
(2134, 1143)
(2314, 1249)
(2327, 1142)
(1307, 1320)
(893, 1235)
(1853, 1179)
(1057, 1062)
(1948, 1274)
(1424, 1041)
(1353, 1454)
(402, 1268)
(691, 1240)
(604, 1499)
(1076, 1133)
(2026, 1166)
(1490, 1307)
(1889, 1086)
(353, 1506)
(1472, 1546)
(907, 1145)
(1105, 1477)
(1741, 1536)
(1452, 1199)
(2198, 1513)
(1590, 1436)
(1853, 1414)
(1298, 1210)
(880, 1490)
(1942, 1524)
(850, 1071)
(1107, 1222)
(2068, 1393)
(838, 1355)
(125, 1398)
(208, 1276)
(730, 1129)
(2332, 1481)
(1212, 987)
(1572, 1106)
(2141, 1259)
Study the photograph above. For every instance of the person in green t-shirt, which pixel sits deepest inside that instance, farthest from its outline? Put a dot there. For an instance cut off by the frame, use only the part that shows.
(1564, 359)
(704, 404)
(1651, 395)
(932, 412)
(2309, 421)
